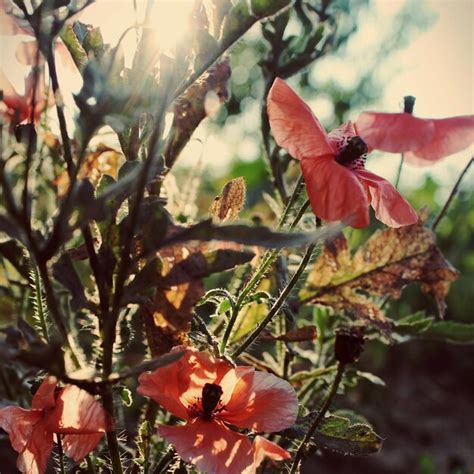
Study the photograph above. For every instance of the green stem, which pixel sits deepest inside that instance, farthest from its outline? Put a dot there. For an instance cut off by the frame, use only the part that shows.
(266, 262)
(278, 303)
(317, 421)
(451, 196)
(399, 172)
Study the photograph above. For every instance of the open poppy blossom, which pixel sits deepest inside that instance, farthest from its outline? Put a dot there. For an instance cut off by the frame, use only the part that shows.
(423, 141)
(69, 411)
(333, 165)
(214, 397)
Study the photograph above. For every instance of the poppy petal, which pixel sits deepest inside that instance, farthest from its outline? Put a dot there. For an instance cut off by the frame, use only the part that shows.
(44, 396)
(266, 449)
(261, 402)
(340, 136)
(335, 192)
(389, 205)
(78, 446)
(77, 412)
(177, 386)
(211, 446)
(294, 126)
(19, 424)
(34, 457)
(450, 136)
(395, 133)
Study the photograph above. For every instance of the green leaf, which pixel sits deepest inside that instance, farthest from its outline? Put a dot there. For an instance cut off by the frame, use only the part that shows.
(339, 434)
(15, 254)
(451, 331)
(74, 46)
(126, 396)
(371, 378)
(313, 374)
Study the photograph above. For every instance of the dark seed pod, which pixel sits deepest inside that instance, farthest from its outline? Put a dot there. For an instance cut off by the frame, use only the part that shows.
(349, 345)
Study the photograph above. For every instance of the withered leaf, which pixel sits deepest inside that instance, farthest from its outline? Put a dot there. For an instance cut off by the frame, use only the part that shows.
(383, 266)
(230, 201)
(177, 279)
(190, 110)
(305, 333)
(104, 160)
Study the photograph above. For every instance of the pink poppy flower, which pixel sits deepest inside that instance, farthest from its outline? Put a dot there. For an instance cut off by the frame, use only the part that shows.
(71, 411)
(213, 397)
(333, 165)
(423, 141)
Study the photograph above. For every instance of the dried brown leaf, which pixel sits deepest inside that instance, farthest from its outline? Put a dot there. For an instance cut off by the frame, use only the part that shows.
(383, 266)
(230, 201)
(305, 333)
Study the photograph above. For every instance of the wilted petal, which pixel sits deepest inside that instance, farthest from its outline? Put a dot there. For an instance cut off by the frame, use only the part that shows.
(44, 396)
(77, 446)
(261, 402)
(293, 125)
(77, 411)
(19, 424)
(334, 192)
(266, 449)
(389, 205)
(395, 133)
(176, 386)
(34, 457)
(450, 136)
(211, 446)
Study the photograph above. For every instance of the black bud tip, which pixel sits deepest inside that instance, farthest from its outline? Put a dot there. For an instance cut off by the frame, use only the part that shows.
(408, 104)
(349, 345)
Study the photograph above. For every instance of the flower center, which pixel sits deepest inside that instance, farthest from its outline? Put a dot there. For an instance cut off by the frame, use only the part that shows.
(210, 402)
(353, 154)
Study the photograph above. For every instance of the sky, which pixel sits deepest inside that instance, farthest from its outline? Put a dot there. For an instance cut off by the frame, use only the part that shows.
(437, 67)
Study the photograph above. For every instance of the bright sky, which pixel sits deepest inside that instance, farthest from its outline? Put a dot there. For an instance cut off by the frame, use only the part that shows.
(437, 67)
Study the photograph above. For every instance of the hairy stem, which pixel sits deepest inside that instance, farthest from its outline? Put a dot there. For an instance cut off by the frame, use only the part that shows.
(267, 260)
(278, 303)
(319, 418)
(112, 442)
(62, 469)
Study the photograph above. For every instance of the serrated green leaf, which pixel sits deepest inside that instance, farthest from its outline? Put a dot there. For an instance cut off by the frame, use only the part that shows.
(339, 434)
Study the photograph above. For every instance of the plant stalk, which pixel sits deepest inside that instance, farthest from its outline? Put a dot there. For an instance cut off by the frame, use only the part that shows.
(317, 421)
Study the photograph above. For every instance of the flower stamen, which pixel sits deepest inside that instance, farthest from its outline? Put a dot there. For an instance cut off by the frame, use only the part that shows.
(353, 154)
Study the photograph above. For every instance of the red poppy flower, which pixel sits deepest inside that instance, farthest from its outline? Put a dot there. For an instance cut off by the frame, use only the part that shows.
(212, 396)
(423, 141)
(71, 411)
(333, 165)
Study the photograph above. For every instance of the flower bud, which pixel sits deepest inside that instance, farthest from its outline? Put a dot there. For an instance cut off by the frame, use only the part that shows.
(349, 345)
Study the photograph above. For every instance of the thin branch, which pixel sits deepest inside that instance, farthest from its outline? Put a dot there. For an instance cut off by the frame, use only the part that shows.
(451, 196)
